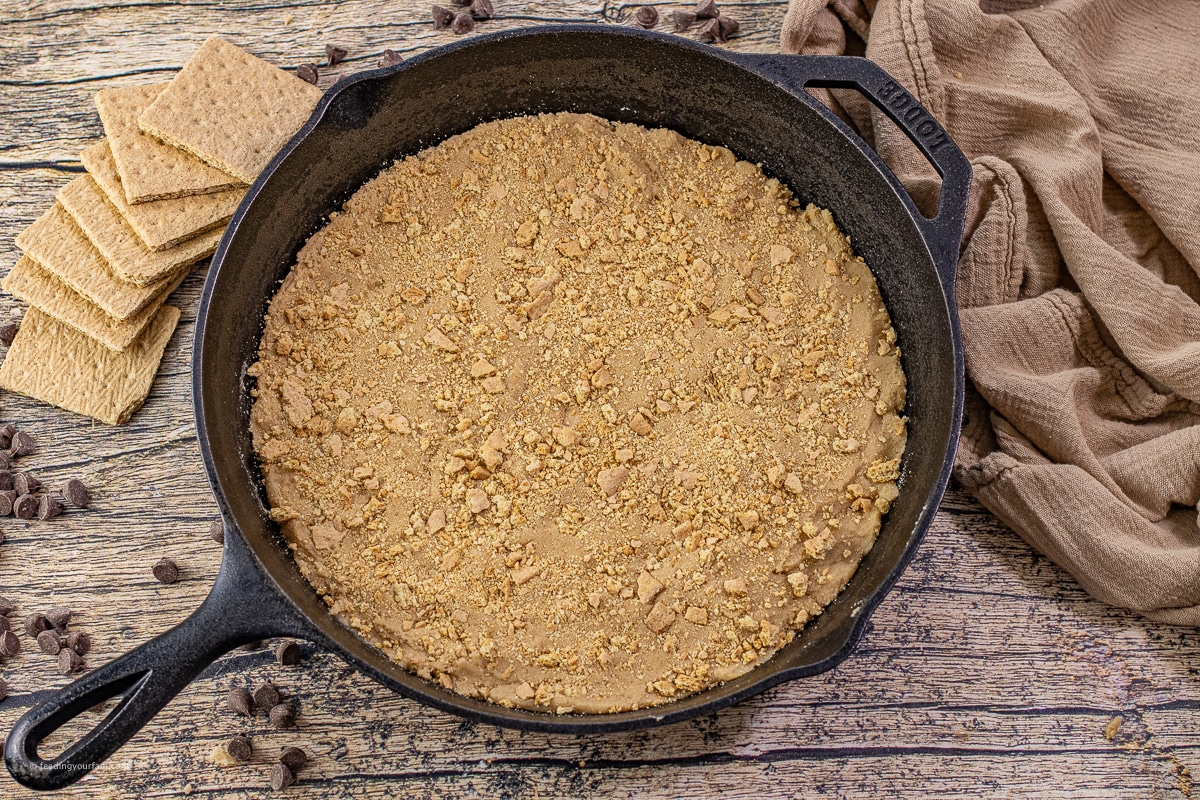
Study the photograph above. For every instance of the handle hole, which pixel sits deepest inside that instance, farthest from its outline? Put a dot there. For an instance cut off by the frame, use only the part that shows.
(922, 180)
(60, 739)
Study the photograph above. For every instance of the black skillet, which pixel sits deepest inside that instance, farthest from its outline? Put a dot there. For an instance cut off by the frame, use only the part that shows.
(753, 104)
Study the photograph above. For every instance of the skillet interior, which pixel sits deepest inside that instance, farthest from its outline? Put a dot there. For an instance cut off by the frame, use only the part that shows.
(649, 79)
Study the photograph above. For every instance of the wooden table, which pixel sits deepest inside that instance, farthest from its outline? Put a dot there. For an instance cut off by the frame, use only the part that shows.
(986, 673)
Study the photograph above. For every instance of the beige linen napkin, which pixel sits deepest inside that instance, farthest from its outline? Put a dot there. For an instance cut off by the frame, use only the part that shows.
(1078, 280)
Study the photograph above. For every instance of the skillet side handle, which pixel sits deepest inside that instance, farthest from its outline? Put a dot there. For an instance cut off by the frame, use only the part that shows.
(943, 233)
(241, 608)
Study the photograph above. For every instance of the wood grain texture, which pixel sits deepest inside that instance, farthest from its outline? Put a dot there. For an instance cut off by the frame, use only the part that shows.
(986, 673)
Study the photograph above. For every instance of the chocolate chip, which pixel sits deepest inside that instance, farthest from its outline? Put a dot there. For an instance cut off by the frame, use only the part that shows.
(22, 444)
(6, 480)
(334, 54)
(48, 508)
(729, 27)
(442, 17)
(3, 689)
(166, 571)
(390, 58)
(282, 715)
(68, 661)
(5, 624)
(7, 431)
(77, 494)
(35, 624)
(7, 606)
(25, 483)
(266, 696)
(216, 531)
(482, 9)
(10, 645)
(707, 9)
(281, 777)
(8, 333)
(238, 748)
(25, 507)
(80, 642)
(646, 17)
(463, 23)
(241, 702)
(307, 72)
(293, 758)
(49, 642)
(683, 20)
(288, 654)
(6, 460)
(7, 498)
(59, 617)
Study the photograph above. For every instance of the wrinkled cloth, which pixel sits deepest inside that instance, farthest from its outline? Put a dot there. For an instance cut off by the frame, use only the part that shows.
(1077, 282)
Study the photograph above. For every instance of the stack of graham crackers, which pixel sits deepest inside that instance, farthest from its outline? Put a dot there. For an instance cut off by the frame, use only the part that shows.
(99, 265)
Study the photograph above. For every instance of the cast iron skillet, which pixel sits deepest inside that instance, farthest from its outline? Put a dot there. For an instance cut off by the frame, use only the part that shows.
(753, 104)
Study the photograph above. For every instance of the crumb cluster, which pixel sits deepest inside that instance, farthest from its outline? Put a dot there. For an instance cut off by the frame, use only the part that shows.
(577, 416)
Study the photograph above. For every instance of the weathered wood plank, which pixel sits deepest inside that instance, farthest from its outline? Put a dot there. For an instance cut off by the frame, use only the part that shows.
(986, 673)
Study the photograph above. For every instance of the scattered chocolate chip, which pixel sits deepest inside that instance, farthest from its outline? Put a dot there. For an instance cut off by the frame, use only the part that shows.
(238, 748)
(646, 17)
(35, 624)
(59, 617)
(8, 333)
(3, 689)
(288, 654)
(719, 30)
(683, 20)
(307, 72)
(334, 54)
(25, 507)
(216, 531)
(80, 642)
(7, 498)
(442, 17)
(390, 58)
(7, 606)
(49, 642)
(48, 508)
(5, 624)
(6, 479)
(463, 23)
(282, 715)
(241, 702)
(293, 758)
(25, 483)
(729, 27)
(22, 444)
(266, 696)
(6, 459)
(77, 494)
(68, 661)
(281, 777)
(7, 431)
(482, 9)
(166, 571)
(10, 645)
(707, 9)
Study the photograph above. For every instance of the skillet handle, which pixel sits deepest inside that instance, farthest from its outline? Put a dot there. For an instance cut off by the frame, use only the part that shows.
(942, 233)
(242, 607)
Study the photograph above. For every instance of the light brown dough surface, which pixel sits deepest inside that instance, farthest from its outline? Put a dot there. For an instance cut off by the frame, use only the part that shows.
(577, 416)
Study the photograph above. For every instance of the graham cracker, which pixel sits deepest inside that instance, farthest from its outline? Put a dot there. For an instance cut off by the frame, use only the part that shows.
(40, 289)
(57, 244)
(160, 224)
(57, 364)
(150, 169)
(230, 108)
(111, 235)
